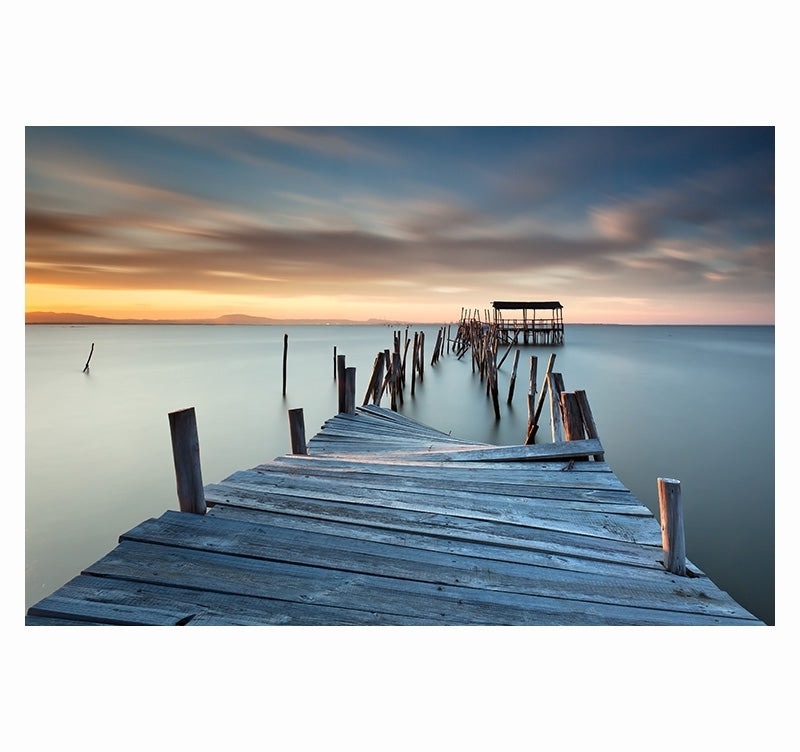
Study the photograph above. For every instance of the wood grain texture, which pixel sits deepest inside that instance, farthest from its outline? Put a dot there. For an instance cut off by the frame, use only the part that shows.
(390, 522)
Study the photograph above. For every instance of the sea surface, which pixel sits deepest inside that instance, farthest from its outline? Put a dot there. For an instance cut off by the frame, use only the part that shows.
(696, 403)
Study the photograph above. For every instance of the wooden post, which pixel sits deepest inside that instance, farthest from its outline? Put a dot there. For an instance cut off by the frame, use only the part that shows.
(405, 356)
(297, 431)
(285, 348)
(588, 420)
(374, 380)
(350, 391)
(513, 378)
(86, 367)
(342, 386)
(571, 414)
(186, 456)
(377, 392)
(555, 385)
(531, 432)
(414, 362)
(492, 381)
(672, 534)
(334, 362)
(398, 375)
(551, 361)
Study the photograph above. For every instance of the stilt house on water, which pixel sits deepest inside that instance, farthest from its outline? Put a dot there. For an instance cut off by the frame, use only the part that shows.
(546, 328)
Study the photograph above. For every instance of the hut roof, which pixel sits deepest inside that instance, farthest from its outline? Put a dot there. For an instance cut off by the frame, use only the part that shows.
(538, 305)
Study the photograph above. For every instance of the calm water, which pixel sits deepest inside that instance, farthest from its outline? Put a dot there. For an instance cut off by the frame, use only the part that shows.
(693, 403)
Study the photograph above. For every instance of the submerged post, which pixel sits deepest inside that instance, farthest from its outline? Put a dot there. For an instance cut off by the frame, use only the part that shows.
(285, 349)
(186, 455)
(86, 367)
(297, 431)
(672, 534)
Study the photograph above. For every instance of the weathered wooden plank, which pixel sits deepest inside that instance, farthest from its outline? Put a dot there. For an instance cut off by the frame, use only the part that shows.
(47, 621)
(526, 453)
(452, 544)
(450, 526)
(601, 481)
(655, 589)
(447, 494)
(511, 473)
(362, 423)
(104, 600)
(642, 528)
(239, 575)
(389, 521)
(576, 498)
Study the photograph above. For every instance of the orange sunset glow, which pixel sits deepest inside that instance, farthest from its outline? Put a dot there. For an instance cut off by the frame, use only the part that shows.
(623, 225)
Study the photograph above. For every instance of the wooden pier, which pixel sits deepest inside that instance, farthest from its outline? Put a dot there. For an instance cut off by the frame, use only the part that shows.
(385, 521)
(534, 322)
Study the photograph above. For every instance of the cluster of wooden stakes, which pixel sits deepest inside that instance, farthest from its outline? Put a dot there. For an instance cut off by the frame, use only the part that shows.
(571, 416)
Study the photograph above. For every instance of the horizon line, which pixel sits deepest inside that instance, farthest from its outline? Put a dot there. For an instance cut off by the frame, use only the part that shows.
(37, 318)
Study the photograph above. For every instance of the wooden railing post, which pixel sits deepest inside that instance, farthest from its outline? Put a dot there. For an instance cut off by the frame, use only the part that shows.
(297, 431)
(340, 381)
(672, 534)
(186, 455)
(350, 390)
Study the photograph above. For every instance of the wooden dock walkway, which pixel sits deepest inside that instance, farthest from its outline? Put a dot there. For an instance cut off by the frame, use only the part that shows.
(388, 522)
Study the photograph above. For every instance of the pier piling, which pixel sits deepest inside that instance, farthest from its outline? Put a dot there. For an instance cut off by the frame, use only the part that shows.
(350, 390)
(297, 431)
(672, 533)
(186, 455)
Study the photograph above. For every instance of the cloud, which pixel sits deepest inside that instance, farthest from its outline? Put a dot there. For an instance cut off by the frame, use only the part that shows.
(324, 141)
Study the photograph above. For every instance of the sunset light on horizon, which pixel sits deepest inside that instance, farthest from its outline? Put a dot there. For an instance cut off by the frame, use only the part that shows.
(639, 225)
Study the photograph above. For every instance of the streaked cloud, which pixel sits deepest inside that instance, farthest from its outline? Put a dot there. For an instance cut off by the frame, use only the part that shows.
(590, 216)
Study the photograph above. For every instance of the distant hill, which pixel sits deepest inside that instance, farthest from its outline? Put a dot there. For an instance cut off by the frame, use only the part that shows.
(239, 319)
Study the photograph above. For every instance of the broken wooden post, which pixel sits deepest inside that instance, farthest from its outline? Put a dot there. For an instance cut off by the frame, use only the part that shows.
(297, 431)
(672, 534)
(350, 391)
(86, 367)
(186, 456)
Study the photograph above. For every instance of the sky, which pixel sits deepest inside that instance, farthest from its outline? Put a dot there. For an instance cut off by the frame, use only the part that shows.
(628, 225)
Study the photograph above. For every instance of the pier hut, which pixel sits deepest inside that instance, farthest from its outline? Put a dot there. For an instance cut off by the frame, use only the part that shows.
(536, 322)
